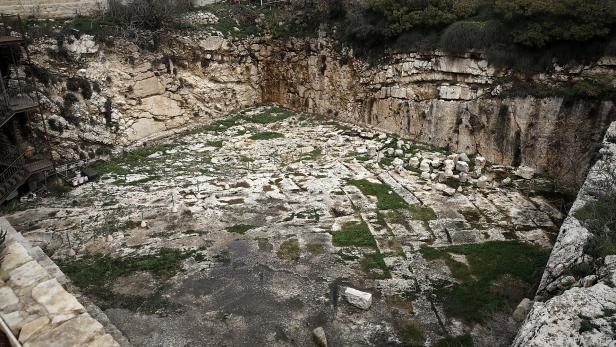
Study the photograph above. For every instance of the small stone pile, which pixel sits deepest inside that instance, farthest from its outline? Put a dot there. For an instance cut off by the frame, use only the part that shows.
(200, 18)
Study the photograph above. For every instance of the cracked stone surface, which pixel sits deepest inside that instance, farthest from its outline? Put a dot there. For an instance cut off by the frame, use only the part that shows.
(286, 186)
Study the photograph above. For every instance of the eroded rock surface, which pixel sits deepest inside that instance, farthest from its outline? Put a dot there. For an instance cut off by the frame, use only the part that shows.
(251, 228)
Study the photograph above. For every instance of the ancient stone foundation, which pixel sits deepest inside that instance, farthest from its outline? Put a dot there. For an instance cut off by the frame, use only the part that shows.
(34, 305)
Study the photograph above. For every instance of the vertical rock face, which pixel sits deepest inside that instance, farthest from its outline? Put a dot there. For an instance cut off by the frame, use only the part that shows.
(433, 98)
(443, 101)
(575, 306)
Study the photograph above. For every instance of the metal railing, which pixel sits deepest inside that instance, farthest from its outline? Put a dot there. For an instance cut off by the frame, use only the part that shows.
(15, 167)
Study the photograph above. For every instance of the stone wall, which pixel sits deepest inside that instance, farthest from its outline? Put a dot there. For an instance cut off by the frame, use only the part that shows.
(51, 8)
(574, 306)
(36, 307)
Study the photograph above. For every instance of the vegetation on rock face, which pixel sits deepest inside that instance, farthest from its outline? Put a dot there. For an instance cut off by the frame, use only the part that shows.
(598, 215)
(498, 275)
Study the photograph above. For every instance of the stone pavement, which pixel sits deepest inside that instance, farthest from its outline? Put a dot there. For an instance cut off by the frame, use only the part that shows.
(270, 212)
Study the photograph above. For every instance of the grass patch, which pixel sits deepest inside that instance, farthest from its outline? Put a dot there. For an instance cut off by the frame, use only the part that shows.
(386, 161)
(412, 334)
(423, 213)
(455, 341)
(387, 199)
(312, 155)
(266, 135)
(217, 144)
(270, 115)
(289, 250)
(315, 248)
(473, 217)
(223, 124)
(374, 265)
(599, 218)
(95, 276)
(240, 228)
(499, 275)
(353, 234)
(362, 157)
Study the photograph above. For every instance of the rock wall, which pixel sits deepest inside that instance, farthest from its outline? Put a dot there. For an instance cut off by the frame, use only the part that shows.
(444, 101)
(36, 308)
(51, 8)
(434, 98)
(572, 306)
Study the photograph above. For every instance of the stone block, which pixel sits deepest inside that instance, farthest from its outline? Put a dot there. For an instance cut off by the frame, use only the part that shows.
(31, 328)
(75, 332)
(358, 298)
(7, 298)
(28, 274)
(55, 299)
(14, 255)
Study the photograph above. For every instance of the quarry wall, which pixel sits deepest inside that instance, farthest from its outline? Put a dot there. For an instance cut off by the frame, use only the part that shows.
(441, 100)
(576, 299)
(459, 102)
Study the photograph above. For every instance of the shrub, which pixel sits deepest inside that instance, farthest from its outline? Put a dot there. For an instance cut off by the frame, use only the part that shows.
(148, 14)
(465, 35)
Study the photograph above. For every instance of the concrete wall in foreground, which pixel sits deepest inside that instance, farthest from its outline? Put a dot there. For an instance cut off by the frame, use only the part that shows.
(50, 8)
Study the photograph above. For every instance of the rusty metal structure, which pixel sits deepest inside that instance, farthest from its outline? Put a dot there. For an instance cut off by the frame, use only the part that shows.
(25, 152)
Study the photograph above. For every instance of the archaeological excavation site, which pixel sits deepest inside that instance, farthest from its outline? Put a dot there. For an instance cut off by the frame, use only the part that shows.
(308, 173)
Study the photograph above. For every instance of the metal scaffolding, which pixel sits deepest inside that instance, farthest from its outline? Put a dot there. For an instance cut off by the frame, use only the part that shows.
(19, 102)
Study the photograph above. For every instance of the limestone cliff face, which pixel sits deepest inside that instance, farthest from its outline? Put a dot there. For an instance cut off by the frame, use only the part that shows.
(435, 98)
(443, 101)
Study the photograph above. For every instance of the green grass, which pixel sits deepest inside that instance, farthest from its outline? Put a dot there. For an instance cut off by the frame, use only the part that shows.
(455, 341)
(386, 161)
(240, 228)
(95, 275)
(374, 265)
(387, 199)
(266, 135)
(312, 155)
(217, 144)
(599, 218)
(223, 124)
(270, 115)
(516, 266)
(289, 250)
(362, 157)
(412, 334)
(423, 213)
(315, 248)
(121, 165)
(353, 234)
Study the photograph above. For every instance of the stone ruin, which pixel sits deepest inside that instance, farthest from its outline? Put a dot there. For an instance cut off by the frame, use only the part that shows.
(411, 212)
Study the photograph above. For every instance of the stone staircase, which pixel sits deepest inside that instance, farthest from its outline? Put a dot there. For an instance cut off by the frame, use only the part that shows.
(37, 309)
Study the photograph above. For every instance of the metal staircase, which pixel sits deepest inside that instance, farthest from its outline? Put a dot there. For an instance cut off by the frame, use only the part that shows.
(18, 97)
